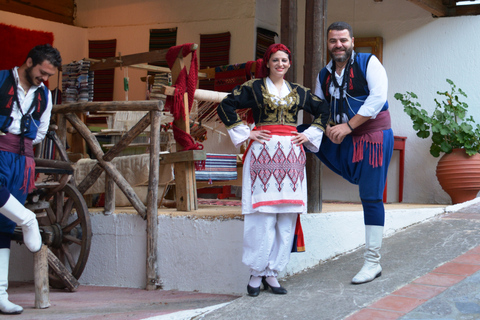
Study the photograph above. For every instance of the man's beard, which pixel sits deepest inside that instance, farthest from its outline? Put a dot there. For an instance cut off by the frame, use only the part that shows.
(28, 76)
(343, 58)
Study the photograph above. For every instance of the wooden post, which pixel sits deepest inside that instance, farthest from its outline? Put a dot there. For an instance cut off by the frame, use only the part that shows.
(185, 183)
(152, 201)
(315, 53)
(109, 195)
(62, 129)
(62, 272)
(288, 34)
(42, 290)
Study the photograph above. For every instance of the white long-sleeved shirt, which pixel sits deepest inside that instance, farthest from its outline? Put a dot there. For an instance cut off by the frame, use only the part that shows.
(377, 81)
(26, 99)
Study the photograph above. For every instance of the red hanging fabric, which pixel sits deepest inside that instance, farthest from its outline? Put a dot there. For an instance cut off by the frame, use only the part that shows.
(186, 82)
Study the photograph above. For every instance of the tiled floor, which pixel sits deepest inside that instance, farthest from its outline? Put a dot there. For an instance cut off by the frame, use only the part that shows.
(424, 288)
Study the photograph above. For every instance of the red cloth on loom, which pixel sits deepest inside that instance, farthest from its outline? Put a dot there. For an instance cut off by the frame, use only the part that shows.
(226, 81)
(186, 82)
(185, 140)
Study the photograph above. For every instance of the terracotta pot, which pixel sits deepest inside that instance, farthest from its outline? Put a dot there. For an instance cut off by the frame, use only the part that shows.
(459, 175)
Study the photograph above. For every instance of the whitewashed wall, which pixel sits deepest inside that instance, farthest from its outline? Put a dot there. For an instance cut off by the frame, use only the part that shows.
(193, 251)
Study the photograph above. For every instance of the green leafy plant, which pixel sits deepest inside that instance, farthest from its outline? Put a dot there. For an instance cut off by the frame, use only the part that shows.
(449, 126)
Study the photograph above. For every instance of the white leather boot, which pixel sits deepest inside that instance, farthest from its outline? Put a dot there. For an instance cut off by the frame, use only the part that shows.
(371, 268)
(26, 219)
(5, 305)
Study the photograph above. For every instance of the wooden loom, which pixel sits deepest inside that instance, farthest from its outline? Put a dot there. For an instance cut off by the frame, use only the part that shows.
(204, 109)
(183, 161)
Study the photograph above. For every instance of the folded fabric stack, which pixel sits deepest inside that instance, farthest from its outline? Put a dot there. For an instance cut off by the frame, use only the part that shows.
(218, 167)
(77, 82)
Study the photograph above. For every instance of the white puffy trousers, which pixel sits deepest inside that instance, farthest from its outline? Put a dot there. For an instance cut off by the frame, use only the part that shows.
(267, 242)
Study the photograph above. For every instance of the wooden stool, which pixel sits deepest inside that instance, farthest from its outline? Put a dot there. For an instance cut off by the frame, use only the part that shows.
(398, 144)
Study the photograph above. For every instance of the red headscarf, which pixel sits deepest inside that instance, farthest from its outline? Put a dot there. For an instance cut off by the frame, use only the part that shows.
(266, 57)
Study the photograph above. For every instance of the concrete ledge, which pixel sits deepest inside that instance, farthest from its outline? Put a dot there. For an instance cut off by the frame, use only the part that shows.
(204, 251)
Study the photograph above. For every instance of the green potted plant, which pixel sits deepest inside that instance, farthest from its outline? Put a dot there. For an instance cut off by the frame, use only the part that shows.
(452, 133)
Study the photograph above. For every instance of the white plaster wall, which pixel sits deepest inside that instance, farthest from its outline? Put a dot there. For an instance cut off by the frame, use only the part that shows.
(267, 16)
(206, 255)
(331, 234)
(118, 251)
(197, 254)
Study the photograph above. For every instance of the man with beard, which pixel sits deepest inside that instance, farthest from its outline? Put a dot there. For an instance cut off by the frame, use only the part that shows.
(25, 108)
(358, 143)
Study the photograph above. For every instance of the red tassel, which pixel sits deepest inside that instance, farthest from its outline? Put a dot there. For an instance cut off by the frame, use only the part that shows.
(373, 141)
(29, 175)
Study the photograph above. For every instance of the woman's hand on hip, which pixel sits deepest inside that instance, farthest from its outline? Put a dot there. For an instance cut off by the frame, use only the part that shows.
(260, 135)
(299, 138)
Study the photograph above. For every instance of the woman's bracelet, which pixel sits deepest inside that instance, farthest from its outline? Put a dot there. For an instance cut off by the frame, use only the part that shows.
(348, 124)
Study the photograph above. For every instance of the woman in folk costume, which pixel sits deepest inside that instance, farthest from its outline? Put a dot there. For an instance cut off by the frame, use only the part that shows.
(274, 178)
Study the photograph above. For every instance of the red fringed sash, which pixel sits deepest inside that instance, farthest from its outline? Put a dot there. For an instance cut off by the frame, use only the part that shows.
(371, 133)
(11, 143)
(375, 145)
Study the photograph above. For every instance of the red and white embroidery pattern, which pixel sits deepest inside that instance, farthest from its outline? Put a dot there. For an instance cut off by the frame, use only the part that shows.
(279, 165)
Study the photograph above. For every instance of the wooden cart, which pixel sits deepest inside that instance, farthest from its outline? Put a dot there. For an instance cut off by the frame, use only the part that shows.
(64, 224)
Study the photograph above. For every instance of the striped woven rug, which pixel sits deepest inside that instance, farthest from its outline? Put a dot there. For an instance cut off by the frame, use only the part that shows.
(218, 167)
(161, 39)
(264, 39)
(228, 77)
(214, 52)
(103, 83)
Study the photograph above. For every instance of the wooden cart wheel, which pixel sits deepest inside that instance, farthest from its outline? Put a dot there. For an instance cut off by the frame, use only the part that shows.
(69, 219)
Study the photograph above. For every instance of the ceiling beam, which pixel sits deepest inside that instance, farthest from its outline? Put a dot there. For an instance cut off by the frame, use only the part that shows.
(447, 8)
(435, 7)
(470, 10)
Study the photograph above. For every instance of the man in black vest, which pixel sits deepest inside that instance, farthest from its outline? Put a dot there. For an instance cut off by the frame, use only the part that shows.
(358, 144)
(25, 108)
